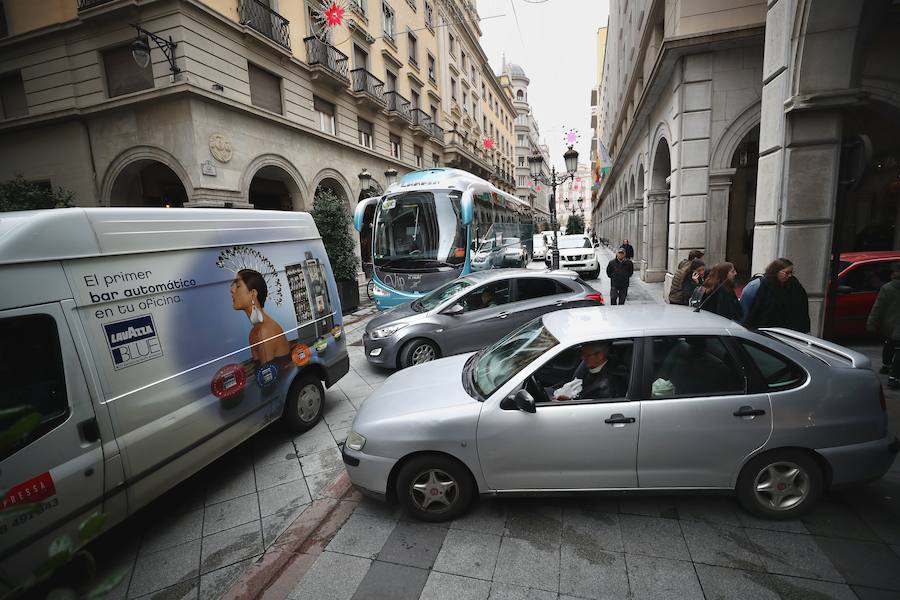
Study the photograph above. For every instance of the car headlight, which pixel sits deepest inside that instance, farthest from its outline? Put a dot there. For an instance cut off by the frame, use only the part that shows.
(355, 441)
(388, 331)
(380, 292)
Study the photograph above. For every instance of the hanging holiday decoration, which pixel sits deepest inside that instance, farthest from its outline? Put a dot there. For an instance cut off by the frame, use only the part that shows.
(334, 14)
(329, 19)
(571, 137)
(488, 143)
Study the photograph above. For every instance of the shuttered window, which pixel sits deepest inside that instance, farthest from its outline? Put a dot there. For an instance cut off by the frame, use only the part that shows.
(265, 89)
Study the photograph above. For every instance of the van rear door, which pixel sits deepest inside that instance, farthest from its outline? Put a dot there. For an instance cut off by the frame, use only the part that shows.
(51, 477)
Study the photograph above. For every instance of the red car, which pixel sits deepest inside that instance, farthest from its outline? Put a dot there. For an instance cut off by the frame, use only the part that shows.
(861, 276)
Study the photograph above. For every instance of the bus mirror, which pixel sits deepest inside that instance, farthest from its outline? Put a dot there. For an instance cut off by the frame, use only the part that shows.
(467, 208)
(360, 212)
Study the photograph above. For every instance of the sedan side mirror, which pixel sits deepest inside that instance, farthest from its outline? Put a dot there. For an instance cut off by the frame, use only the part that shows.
(456, 309)
(521, 400)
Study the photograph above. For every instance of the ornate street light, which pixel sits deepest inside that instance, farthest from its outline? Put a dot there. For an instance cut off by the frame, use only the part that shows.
(390, 176)
(365, 179)
(140, 51)
(536, 167)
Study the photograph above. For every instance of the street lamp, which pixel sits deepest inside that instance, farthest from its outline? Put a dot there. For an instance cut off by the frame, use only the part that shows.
(365, 179)
(140, 51)
(536, 166)
(390, 176)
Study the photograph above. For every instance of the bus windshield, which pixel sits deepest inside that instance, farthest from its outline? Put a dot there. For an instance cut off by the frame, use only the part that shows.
(419, 230)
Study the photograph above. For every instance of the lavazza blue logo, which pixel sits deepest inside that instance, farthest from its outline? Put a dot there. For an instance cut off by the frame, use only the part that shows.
(133, 341)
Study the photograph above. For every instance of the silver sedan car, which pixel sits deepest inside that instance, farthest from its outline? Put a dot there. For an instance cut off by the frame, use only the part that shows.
(643, 398)
(470, 313)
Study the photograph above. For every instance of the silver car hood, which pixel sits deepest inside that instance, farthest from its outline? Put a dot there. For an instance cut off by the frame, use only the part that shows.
(434, 385)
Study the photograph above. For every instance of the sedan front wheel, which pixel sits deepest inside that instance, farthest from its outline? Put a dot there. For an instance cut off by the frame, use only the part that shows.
(434, 488)
(417, 352)
(780, 485)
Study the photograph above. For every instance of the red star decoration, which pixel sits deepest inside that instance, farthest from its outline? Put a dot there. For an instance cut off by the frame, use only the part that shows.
(488, 143)
(334, 16)
(538, 188)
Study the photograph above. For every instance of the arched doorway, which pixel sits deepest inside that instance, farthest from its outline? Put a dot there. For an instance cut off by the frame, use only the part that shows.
(639, 231)
(273, 188)
(148, 183)
(742, 205)
(658, 214)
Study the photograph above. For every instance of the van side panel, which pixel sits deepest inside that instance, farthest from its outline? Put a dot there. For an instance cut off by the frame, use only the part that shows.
(196, 349)
(30, 284)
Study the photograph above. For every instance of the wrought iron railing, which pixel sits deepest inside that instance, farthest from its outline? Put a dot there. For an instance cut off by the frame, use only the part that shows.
(326, 55)
(398, 104)
(266, 21)
(421, 119)
(85, 4)
(363, 81)
(437, 132)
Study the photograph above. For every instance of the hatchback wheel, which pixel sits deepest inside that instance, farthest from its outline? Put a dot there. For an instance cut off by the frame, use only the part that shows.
(418, 352)
(434, 488)
(304, 404)
(780, 485)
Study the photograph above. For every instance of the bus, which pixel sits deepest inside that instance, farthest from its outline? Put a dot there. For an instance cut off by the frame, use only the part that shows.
(435, 225)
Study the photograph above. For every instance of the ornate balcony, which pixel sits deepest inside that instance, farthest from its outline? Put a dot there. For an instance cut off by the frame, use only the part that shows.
(86, 4)
(327, 63)
(367, 88)
(397, 107)
(421, 122)
(266, 21)
(437, 133)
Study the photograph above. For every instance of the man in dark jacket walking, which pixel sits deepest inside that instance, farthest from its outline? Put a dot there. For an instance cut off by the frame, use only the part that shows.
(884, 319)
(629, 250)
(619, 271)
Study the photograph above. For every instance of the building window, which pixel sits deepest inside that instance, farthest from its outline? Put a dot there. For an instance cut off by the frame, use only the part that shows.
(387, 21)
(521, 140)
(417, 153)
(359, 6)
(434, 114)
(365, 133)
(521, 161)
(123, 76)
(465, 102)
(429, 15)
(325, 115)
(265, 89)
(435, 160)
(452, 45)
(432, 75)
(413, 46)
(521, 181)
(12, 96)
(484, 124)
(390, 81)
(453, 88)
(462, 61)
(473, 75)
(395, 146)
(414, 97)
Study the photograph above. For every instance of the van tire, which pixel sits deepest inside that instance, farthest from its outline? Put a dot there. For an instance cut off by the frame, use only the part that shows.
(418, 351)
(305, 404)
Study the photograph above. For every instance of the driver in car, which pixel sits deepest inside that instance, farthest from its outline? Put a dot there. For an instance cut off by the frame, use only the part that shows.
(593, 378)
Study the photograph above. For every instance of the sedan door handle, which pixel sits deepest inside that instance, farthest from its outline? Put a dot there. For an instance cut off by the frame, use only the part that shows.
(748, 411)
(503, 315)
(618, 418)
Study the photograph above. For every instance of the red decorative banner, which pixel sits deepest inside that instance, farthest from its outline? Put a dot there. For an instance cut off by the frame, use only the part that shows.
(34, 490)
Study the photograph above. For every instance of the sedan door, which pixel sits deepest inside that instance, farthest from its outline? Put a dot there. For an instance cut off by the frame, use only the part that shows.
(698, 422)
(481, 323)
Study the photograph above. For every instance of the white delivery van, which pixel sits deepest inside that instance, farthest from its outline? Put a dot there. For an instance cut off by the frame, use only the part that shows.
(150, 341)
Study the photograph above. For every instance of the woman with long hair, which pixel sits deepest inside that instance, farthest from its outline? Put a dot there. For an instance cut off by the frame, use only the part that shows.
(693, 278)
(267, 339)
(720, 297)
(781, 300)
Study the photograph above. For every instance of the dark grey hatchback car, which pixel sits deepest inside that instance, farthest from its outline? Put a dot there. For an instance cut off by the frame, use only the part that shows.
(470, 313)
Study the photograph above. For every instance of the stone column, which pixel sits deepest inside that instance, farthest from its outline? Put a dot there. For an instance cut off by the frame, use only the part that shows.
(717, 215)
(657, 213)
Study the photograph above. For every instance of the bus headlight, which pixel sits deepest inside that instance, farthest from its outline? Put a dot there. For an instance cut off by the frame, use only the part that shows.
(387, 331)
(380, 292)
(355, 441)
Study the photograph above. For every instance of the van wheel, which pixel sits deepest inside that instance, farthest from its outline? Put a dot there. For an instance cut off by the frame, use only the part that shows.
(417, 352)
(304, 405)
(780, 485)
(434, 488)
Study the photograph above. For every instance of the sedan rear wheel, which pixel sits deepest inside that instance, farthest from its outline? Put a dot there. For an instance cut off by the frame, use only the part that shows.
(434, 488)
(417, 352)
(780, 485)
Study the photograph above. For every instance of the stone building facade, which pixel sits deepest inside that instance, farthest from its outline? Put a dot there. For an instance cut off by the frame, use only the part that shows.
(265, 104)
(725, 123)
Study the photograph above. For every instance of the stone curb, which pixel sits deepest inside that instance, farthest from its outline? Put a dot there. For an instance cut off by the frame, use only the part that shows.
(278, 571)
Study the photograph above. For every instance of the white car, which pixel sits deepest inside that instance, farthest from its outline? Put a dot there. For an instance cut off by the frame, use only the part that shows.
(539, 248)
(578, 253)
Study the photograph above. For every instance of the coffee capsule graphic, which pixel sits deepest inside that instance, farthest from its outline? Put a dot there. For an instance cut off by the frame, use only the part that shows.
(301, 355)
(336, 332)
(228, 381)
(267, 375)
(320, 345)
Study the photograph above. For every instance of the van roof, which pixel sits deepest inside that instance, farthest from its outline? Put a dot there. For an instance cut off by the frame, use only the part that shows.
(66, 233)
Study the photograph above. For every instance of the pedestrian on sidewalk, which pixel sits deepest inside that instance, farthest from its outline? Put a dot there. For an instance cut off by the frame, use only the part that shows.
(748, 295)
(619, 270)
(675, 292)
(780, 300)
(629, 249)
(884, 319)
(719, 296)
(693, 278)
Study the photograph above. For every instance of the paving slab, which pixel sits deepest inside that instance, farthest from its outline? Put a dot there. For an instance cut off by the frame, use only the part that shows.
(165, 568)
(387, 581)
(653, 578)
(507, 591)
(362, 536)
(540, 523)
(591, 529)
(721, 545)
(733, 584)
(526, 563)
(468, 553)
(793, 554)
(333, 576)
(590, 572)
(231, 546)
(863, 563)
(487, 516)
(441, 586)
(286, 496)
(215, 584)
(653, 536)
(413, 544)
(230, 513)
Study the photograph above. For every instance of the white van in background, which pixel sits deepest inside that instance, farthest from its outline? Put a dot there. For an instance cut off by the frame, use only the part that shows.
(150, 341)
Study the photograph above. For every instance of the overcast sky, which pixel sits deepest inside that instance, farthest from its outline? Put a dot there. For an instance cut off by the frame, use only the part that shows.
(557, 48)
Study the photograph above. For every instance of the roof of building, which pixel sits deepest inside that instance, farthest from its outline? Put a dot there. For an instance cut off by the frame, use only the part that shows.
(67, 233)
(514, 70)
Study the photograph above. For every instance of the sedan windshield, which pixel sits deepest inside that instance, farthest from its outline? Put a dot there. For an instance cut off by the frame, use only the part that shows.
(499, 363)
(417, 230)
(574, 242)
(435, 298)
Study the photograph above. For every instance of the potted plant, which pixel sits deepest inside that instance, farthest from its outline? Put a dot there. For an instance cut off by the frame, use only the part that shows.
(333, 223)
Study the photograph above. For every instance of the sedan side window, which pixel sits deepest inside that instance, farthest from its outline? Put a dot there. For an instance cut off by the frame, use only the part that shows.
(868, 277)
(777, 373)
(31, 368)
(529, 288)
(694, 366)
(593, 372)
(492, 294)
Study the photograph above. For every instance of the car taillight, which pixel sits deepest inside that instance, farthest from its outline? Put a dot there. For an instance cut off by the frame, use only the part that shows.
(881, 398)
(598, 297)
